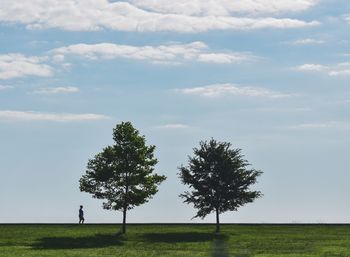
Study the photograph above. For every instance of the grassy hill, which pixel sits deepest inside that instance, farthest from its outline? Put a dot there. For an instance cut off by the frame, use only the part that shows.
(175, 240)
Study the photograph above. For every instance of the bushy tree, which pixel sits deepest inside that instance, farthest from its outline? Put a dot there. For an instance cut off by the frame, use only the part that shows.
(219, 179)
(123, 174)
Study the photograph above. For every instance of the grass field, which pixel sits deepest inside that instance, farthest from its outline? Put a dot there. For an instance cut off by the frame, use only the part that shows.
(175, 240)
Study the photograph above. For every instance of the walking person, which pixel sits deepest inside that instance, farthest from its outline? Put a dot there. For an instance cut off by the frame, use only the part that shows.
(81, 215)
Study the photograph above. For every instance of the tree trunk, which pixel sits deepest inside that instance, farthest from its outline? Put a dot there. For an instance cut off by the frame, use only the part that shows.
(217, 221)
(125, 203)
(124, 221)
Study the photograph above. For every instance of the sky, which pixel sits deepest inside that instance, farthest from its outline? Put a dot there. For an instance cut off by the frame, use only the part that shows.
(270, 76)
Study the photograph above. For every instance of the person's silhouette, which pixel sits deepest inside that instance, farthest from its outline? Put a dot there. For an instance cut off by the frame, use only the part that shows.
(81, 215)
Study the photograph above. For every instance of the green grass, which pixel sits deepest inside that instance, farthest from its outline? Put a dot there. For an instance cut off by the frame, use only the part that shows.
(175, 240)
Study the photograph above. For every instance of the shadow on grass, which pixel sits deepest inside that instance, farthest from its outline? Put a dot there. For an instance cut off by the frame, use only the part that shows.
(96, 241)
(178, 237)
(220, 246)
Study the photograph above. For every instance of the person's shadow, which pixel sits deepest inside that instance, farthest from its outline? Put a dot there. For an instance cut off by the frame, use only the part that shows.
(95, 241)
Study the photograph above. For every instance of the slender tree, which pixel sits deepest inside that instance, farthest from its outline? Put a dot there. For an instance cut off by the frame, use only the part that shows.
(123, 174)
(219, 178)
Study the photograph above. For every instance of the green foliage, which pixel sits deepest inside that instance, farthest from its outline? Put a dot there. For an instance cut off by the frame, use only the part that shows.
(123, 174)
(219, 178)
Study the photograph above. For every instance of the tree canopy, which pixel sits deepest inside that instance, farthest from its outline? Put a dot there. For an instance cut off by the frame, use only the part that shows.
(219, 178)
(123, 173)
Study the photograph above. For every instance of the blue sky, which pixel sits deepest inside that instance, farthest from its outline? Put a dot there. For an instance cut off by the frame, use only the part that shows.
(269, 76)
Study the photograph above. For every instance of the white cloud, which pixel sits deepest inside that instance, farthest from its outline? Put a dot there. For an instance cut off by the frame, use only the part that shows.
(311, 67)
(220, 90)
(306, 41)
(18, 65)
(8, 115)
(347, 18)
(223, 57)
(58, 58)
(337, 73)
(225, 7)
(173, 126)
(321, 125)
(340, 69)
(171, 53)
(5, 87)
(56, 90)
(151, 15)
(282, 109)
(67, 65)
